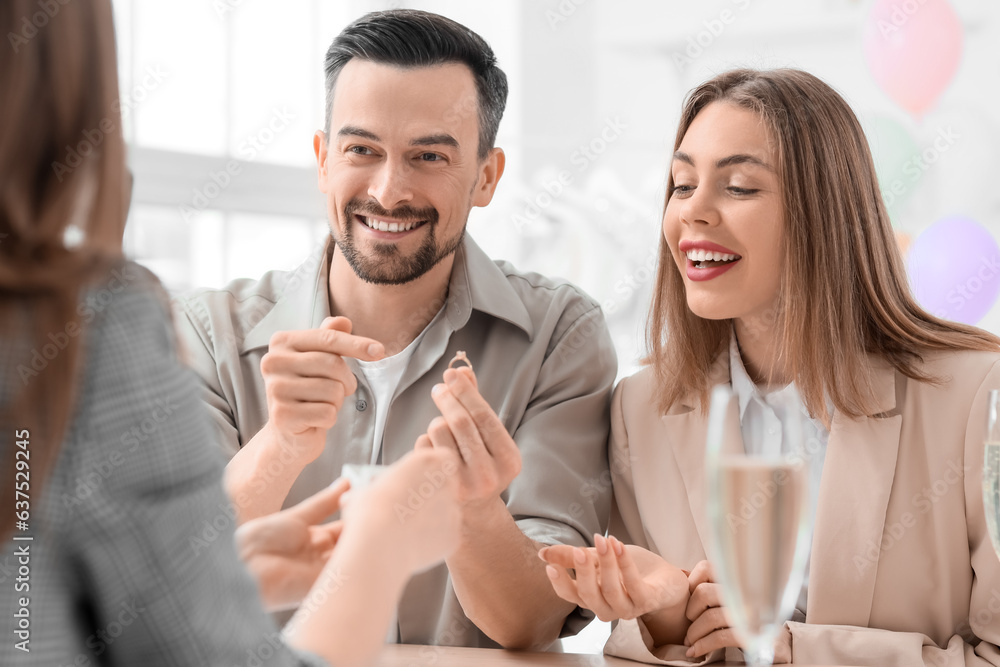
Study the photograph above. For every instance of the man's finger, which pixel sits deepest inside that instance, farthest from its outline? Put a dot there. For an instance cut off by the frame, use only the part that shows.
(319, 506)
(331, 341)
(494, 434)
(461, 425)
(338, 323)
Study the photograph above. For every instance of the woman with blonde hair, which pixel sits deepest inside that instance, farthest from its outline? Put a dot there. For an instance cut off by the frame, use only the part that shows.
(115, 521)
(779, 273)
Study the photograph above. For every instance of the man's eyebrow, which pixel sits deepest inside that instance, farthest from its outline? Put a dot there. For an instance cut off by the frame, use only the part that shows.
(355, 131)
(739, 158)
(436, 140)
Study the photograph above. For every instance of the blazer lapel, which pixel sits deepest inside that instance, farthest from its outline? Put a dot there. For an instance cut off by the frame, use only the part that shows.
(853, 498)
(686, 429)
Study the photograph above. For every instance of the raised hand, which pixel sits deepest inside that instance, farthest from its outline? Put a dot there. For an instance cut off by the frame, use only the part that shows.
(489, 457)
(418, 535)
(307, 380)
(286, 551)
(617, 581)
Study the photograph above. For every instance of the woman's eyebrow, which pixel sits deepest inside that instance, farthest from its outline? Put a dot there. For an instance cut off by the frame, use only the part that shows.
(739, 158)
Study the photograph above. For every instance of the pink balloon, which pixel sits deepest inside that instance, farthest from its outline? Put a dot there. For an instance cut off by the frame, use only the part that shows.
(913, 48)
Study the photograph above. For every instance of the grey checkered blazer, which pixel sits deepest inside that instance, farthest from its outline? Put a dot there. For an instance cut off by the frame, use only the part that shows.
(132, 560)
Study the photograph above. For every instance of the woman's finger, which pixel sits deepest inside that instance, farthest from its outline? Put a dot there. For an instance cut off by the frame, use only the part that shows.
(612, 585)
(588, 583)
(563, 585)
(323, 504)
(704, 597)
(711, 621)
(717, 640)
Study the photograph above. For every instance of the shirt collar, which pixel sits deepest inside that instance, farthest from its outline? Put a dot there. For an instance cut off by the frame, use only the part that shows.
(745, 388)
(476, 283)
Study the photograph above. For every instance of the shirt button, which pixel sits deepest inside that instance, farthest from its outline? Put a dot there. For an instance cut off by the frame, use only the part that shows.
(361, 405)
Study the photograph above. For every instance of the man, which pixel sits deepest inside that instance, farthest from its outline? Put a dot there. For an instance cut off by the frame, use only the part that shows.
(344, 360)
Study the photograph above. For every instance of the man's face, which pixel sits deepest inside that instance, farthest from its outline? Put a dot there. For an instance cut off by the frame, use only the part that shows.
(400, 166)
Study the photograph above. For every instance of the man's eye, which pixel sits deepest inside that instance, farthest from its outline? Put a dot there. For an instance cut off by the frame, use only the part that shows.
(430, 157)
(360, 150)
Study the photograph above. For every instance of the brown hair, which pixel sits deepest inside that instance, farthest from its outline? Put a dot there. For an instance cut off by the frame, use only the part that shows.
(843, 294)
(61, 166)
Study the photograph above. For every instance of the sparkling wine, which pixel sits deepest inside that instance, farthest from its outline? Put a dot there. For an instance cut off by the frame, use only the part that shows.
(758, 526)
(991, 491)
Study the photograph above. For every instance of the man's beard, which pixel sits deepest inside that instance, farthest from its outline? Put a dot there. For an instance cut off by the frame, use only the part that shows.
(385, 264)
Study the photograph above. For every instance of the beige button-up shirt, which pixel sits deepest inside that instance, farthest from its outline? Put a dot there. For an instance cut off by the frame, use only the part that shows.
(544, 361)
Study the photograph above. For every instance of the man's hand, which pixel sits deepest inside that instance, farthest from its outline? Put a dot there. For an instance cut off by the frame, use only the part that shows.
(285, 552)
(615, 580)
(490, 459)
(307, 381)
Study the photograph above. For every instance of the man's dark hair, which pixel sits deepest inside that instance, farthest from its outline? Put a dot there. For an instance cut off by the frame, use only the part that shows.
(412, 38)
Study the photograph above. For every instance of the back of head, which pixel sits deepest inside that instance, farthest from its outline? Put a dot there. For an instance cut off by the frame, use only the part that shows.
(61, 168)
(410, 38)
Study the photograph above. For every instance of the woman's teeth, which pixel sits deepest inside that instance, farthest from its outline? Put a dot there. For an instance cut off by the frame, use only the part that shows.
(704, 259)
(383, 226)
(706, 256)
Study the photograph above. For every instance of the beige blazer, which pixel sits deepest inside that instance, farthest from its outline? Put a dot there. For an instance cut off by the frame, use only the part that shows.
(902, 570)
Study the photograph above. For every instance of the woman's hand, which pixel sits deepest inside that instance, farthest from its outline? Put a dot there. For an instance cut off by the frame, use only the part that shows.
(710, 628)
(286, 551)
(615, 580)
(411, 510)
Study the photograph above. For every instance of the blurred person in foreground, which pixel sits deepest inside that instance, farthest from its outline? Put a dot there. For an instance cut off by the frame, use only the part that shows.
(779, 274)
(119, 549)
(341, 360)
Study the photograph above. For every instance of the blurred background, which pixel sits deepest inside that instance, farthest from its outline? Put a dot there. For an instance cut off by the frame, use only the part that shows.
(221, 100)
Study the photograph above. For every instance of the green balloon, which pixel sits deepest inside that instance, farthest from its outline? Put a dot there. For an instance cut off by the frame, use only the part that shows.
(892, 148)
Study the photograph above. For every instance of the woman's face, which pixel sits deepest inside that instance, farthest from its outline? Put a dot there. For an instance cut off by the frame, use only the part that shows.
(723, 221)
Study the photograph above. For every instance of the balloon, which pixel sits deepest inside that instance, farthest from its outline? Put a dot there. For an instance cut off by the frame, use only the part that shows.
(913, 48)
(954, 270)
(892, 148)
(904, 241)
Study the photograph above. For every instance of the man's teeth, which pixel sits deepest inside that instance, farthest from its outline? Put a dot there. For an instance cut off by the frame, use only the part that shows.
(706, 256)
(383, 226)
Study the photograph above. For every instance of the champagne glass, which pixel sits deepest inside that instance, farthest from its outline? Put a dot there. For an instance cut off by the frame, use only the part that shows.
(991, 468)
(761, 521)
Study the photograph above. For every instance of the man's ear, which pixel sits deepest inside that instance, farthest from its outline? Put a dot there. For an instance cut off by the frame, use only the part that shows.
(319, 147)
(490, 172)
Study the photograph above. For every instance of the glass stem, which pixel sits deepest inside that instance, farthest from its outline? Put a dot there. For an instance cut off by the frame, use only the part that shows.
(761, 655)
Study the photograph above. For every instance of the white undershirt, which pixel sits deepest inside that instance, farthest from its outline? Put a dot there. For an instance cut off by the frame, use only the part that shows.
(764, 432)
(383, 378)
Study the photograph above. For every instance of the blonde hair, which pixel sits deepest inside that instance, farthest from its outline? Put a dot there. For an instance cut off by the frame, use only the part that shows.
(62, 165)
(843, 293)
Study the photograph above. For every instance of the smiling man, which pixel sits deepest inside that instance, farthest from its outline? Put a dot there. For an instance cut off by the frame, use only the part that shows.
(345, 360)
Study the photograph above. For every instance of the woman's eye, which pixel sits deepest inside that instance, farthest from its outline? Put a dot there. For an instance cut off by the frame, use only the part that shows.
(682, 189)
(743, 191)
